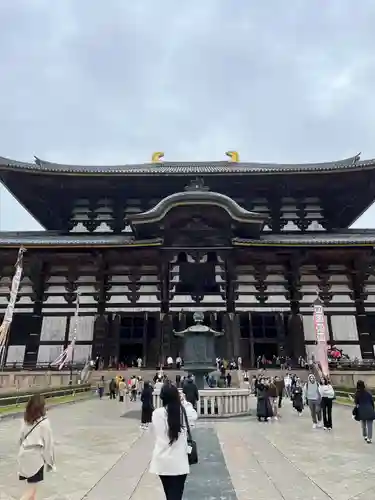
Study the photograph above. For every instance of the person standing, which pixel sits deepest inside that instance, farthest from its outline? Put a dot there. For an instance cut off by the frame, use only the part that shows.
(364, 410)
(327, 394)
(313, 398)
(133, 388)
(239, 363)
(36, 450)
(191, 391)
(178, 362)
(121, 390)
(170, 456)
(147, 405)
(169, 362)
(112, 389)
(229, 379)
(264, 409)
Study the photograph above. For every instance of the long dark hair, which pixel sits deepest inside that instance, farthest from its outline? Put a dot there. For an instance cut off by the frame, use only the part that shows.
(171, 401)
(361, 386)
(35, 409)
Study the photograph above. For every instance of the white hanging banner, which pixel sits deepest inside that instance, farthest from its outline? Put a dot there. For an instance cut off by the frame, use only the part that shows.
(8, 316)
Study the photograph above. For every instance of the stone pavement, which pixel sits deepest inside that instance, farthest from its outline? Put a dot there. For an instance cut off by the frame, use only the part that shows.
(102, 455)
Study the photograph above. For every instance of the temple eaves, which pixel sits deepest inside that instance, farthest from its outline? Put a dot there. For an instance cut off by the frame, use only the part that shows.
(186, 168)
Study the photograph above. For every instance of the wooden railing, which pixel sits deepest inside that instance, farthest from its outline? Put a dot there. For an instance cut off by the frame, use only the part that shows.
(215, 403)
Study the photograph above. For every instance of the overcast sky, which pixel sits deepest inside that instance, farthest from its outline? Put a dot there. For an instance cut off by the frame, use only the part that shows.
(88, 81)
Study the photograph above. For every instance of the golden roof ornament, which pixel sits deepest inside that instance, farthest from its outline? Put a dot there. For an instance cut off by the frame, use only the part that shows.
(234, 156)
(156, 157)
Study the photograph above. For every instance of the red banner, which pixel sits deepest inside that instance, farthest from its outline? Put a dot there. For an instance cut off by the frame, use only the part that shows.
(321, 337)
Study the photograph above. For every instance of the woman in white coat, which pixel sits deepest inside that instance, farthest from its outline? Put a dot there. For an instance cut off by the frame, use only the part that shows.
(170, 456)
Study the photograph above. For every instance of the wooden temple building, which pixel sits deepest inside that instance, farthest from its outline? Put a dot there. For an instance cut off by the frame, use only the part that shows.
(249, 244)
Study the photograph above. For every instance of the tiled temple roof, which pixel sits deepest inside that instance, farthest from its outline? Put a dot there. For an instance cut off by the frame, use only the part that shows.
(350, 237)
(187, 168)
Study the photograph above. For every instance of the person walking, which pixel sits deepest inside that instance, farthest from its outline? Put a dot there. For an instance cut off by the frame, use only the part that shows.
(101, 385)
(36, 451)
(264, 409)
(364, 410)
(313, 398)
(170, 454)
(273, 398)
(147, 405)
(287, 385)
(327, 394)
(279, 382)
(297, 398)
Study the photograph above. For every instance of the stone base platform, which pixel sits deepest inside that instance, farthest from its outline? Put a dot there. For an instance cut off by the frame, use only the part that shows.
(103, 454)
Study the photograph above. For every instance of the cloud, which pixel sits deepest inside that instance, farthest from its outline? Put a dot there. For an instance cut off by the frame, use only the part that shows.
(283, 82)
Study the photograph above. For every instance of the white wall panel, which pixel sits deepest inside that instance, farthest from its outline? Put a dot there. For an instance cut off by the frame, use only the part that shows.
(82, 353)
(16, 354)
(353, 351)
(344, 327)
(48, 353)
(276, 294)
(85, 328)
(310, 352)
(5, 283)
(53, 328)
(308, 327)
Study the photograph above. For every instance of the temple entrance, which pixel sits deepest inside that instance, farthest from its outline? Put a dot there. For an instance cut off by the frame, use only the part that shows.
(266, 349)
(261, 334)
(130, 352)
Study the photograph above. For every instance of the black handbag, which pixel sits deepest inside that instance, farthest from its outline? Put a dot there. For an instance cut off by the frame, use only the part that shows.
(193, 454)
(355, 413)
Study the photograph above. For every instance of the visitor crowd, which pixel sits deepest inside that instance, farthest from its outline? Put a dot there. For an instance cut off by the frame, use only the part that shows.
(174, 449)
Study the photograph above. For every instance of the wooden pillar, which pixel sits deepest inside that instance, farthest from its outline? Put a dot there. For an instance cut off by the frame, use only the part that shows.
(358, 273)
(102, 287)
(38, 273)
(165, 323)
(251, 343)
(296, 341)
(234, 323)
(144, 338)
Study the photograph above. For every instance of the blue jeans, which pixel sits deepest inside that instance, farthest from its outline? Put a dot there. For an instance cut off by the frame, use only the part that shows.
(366, 428)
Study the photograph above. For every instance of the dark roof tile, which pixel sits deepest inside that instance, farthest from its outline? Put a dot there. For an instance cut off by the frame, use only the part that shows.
(190, 168)
(53, 238)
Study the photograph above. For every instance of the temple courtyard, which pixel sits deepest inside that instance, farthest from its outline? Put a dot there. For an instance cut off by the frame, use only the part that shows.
(103, 455)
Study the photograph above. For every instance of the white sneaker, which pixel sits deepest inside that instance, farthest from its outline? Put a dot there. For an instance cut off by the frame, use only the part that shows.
(276, 418)
(314, 426)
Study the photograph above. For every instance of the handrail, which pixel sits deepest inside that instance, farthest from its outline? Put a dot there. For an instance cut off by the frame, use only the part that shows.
(345, 394)
(23, 398)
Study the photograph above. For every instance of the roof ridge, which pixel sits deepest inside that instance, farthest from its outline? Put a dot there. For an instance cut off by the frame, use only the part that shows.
(186, 167)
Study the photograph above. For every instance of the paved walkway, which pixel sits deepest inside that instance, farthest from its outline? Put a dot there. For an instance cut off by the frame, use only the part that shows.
(103, 455)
